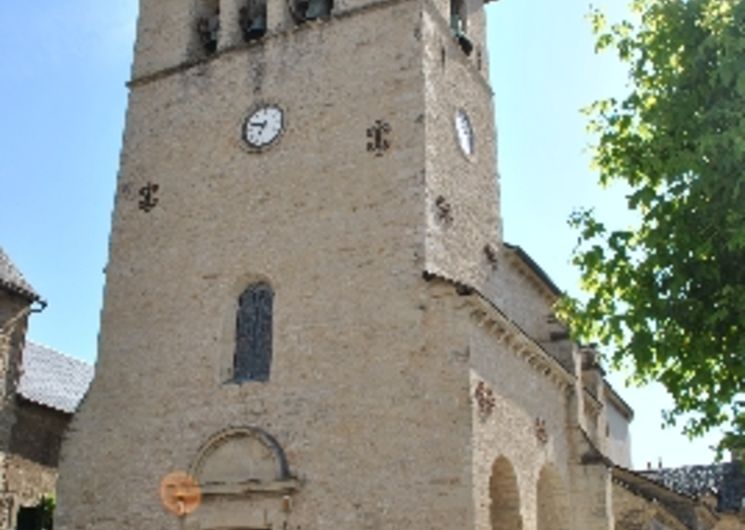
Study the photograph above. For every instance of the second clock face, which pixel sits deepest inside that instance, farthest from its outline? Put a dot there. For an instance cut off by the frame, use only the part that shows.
(464, 132)
(263, 126)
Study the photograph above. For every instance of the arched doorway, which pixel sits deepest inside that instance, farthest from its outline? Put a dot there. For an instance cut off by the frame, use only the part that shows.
(551, 500)
(504, 508)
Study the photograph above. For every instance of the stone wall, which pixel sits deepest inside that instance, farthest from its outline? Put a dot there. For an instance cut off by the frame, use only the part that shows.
(635, 512)
(13, 325)
(372, 414)
(462, 190)
(37, 433)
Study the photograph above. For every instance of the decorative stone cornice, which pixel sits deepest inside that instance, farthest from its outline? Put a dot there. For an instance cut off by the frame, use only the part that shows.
(485, 314)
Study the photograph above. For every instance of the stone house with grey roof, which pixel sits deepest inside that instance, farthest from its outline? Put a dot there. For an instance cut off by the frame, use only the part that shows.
(40, 390)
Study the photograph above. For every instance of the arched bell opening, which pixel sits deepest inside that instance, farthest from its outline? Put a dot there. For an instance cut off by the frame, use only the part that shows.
(504, 508)
(207, 26)
(252, 18)
(305, 10)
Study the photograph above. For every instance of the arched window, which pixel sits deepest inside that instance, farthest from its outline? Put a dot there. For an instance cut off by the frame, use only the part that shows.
(208, 25)
(551, 497)
(253, 334)
(505, 497)
(459, 25)
(252, 19)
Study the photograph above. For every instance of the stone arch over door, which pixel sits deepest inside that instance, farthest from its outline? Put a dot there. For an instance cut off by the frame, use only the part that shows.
(245, 482)
(240, 455)
(552, 503)
(504, 497)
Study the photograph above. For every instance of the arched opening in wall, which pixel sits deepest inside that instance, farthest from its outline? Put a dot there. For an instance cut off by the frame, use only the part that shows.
(207, 25)
(252, 359)
(552, 501)
(304, 10)
(504, 496)
(459, 25)
(252, 19)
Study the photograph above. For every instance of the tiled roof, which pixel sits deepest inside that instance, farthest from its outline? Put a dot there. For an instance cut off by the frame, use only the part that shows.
(726, 481)
(52, 379)
(12, 279)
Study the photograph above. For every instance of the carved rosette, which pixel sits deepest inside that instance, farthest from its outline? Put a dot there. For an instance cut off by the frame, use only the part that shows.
(485, 400)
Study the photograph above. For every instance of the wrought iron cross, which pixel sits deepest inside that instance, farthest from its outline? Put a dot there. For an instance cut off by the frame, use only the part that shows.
(149, 200)
(377, 142)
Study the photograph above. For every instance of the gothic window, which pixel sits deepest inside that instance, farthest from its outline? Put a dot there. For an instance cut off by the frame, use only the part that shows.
(208, 25)
(252, 19)
(253, 334)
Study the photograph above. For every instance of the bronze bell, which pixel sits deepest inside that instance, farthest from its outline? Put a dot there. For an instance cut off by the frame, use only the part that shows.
(466, 44)
(255, 28)
(318, 9)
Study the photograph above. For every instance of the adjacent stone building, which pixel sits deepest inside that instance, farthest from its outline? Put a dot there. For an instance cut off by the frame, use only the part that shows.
(311, 319)
(41, 389)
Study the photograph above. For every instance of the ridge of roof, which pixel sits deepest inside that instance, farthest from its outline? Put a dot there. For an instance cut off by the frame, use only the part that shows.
(12, 279)
(533, 266)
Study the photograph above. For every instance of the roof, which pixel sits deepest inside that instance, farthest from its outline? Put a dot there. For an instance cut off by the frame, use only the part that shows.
(12, 280)
(726, 481)
(53, 379)
(537, 269)
(679, 505)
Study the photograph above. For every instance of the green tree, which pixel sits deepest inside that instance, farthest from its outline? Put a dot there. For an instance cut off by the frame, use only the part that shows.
(47, 506)
(668, 294)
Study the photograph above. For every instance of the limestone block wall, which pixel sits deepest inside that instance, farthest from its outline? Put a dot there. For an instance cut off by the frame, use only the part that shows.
(13, 325)
(618, 442)
(462, 191)
(372, 415)
(37, 433)
(527, 426)
(28, 482)
(730, 522)
(526, 466)
(514, 289)
(633, 512)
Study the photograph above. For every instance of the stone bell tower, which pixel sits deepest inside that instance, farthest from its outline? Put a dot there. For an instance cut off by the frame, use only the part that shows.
(290, 172)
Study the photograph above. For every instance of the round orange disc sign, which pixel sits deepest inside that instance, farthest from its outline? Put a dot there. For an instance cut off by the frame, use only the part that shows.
(180, 493)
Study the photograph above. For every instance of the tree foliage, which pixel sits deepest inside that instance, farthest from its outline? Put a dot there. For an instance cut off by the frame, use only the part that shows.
(668, 294)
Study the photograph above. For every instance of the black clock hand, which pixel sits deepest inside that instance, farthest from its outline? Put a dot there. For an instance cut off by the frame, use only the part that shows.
(261, 124)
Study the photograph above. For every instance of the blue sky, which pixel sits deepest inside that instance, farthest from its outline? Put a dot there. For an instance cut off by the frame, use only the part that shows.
(62, 103)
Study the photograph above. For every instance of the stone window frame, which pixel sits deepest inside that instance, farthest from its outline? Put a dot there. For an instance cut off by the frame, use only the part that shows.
(253, 334)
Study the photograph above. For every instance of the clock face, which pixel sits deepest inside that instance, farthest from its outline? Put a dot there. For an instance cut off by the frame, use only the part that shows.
(263, 126)
(464, 132)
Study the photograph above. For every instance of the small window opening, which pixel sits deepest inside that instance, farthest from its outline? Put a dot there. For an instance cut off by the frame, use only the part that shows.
(32, 518)
(459, 25)
(443, 56)
(479, 60)
(208, 25)
(303, 10)
(253, 338)
(252, 19)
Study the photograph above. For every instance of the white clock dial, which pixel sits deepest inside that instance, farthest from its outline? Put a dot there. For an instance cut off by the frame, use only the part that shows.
(464, 132)
(263, 126)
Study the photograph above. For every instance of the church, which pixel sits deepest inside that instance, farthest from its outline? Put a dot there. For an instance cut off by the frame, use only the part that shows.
(311, 319)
